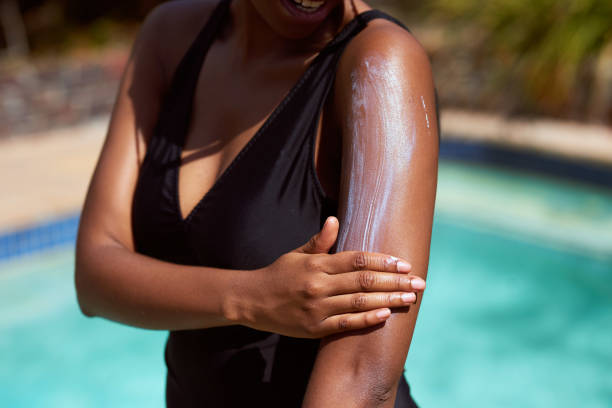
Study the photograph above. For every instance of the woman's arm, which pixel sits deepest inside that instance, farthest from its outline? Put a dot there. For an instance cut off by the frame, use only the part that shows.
(112, 280)
(385, 100)
(293, 296)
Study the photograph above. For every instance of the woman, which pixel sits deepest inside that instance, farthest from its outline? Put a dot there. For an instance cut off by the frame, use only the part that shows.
(239, 128)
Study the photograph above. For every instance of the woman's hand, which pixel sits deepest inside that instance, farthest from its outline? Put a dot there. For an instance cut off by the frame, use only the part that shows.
(310, 293)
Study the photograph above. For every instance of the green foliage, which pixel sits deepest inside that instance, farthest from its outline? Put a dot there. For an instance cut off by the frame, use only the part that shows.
(54, 26)
(545, 45)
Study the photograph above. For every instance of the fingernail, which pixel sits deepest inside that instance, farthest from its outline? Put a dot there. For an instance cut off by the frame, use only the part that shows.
(383, 314)
(417, 283)
(408, 297)
(403, 266)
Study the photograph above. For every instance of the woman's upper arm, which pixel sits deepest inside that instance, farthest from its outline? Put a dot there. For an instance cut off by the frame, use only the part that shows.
(146, 78)
(162, 41)
(107, 210)
(385, 100)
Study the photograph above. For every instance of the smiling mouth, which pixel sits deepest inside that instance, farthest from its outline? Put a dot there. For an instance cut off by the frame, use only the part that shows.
(308, 6)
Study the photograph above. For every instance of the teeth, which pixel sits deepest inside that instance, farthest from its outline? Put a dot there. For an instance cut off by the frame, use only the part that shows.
(309, 5)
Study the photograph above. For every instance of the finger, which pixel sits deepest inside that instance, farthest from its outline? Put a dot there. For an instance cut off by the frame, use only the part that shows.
(373, 281)
(354, 321)
(322, 242)
(361, 302)
(359, 261)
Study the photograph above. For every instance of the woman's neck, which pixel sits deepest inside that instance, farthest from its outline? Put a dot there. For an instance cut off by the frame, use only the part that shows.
(256, 39)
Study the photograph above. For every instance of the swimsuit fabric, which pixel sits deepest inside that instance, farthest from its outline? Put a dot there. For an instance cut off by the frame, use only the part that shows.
(266, 203)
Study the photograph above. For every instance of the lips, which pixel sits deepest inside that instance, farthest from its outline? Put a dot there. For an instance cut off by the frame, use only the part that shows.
(308, 11)
(308, 6)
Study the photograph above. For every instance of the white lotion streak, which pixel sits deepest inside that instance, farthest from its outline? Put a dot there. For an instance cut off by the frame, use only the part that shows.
(383, 135)
(425, 110)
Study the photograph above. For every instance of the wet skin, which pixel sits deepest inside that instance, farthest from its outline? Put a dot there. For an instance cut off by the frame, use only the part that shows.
(264, 50)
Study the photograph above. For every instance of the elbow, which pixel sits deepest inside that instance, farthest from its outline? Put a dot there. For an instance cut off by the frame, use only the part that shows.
(85, 310)
(94, 251)
(84, 305)
(381, 394)
(377, 387)
(83, 285)
(82, 292)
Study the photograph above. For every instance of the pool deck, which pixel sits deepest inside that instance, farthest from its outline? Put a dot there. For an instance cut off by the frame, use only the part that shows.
(45, 175)
(568, 140)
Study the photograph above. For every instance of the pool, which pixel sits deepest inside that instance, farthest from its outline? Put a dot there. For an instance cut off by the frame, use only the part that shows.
(52, 356)
(518, 311)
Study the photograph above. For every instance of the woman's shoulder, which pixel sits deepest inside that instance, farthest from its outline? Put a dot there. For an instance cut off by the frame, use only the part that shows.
(388, 43)
(173, 26)
(388, 61)
(181, 17)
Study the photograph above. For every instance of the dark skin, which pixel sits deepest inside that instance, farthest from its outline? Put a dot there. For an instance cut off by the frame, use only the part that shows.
(363, 368)
(320, 295)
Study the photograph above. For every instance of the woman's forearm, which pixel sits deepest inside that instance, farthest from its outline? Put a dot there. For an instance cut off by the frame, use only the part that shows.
(118, 284)
(296, 295)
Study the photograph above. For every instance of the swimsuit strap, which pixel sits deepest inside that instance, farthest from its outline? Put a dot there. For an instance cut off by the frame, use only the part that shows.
(355, 26)
(177, 101)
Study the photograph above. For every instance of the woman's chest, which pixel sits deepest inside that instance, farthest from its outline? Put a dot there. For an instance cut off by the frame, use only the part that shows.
(242, 214)
(230, 109)
(256, 211)
(230, 175)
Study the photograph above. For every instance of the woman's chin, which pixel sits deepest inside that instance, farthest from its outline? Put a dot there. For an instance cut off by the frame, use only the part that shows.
(295, 19)
(308, 12)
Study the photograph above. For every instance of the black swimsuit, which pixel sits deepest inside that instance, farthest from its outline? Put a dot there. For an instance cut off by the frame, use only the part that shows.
(268, 202)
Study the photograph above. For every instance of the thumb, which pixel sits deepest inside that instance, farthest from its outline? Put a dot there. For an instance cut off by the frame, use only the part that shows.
(322, 242)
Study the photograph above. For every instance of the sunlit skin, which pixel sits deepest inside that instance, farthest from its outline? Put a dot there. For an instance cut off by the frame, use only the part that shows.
(390, 145)
(264, 50)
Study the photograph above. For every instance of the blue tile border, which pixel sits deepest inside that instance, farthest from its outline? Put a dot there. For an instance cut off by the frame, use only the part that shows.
(43, 236)
(536, 162)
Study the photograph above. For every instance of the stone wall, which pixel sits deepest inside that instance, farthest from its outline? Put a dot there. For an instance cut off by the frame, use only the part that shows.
(45, 94)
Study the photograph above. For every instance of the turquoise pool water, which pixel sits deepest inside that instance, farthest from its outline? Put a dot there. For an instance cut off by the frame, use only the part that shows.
(518, 311)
